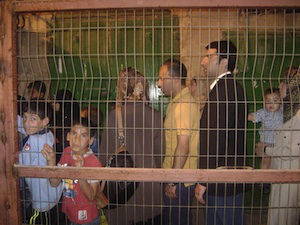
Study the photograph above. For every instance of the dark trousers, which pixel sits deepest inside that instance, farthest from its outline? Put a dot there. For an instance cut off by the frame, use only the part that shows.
(225, 210)
(52, 217)
(94, 222)
(177, 211)
(49, 217)
(152, 221)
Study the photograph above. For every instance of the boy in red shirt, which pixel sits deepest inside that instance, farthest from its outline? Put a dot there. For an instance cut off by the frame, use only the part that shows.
(78, 195)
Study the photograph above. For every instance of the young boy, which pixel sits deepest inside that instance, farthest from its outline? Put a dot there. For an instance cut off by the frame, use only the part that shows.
(78, 195)
(96, 117)
(36, 90)
(44, 197)
(271, 117)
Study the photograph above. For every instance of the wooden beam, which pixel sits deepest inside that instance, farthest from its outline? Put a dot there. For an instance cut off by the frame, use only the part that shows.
(161, 175)
(9, 188)
(35, 6)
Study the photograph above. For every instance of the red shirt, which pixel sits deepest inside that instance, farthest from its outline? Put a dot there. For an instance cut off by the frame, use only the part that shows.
(75, 205)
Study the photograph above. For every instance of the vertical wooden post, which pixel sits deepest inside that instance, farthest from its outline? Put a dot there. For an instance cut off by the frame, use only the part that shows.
(9, 188)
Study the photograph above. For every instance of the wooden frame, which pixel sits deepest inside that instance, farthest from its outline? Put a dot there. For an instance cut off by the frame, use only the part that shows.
(115, 4)
(9, 188)
(9, 172)
(162, 175)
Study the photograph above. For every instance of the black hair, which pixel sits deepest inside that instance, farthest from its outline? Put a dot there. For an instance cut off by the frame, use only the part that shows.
(95, 114)
(86, 122)
(69, 109)
(272, 91)
(176, 69)
(40, 108)
(38, 85)
(63, 95)
(226, 50)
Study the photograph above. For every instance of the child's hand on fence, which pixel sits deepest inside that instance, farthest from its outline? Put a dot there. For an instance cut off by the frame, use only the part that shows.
(251, 117)
(79, 160)
(49, 155)
(260, 148)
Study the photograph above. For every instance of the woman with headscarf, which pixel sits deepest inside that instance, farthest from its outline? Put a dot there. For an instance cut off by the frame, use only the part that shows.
(290, 92)
(66, 111)
(144, 140)
(284, 199)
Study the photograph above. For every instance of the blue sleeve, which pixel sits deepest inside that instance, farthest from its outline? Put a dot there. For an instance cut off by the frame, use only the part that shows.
(21, 126)
(38, 158)
(31, 155)
(259, 116)
(34, 151)
(26, 153)
(24, 158)
(34, 157)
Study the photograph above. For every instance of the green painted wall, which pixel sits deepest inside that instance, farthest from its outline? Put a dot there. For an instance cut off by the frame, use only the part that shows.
(93, 48)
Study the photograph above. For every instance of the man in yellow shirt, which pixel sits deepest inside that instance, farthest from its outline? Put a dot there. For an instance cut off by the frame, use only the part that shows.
(181, 133)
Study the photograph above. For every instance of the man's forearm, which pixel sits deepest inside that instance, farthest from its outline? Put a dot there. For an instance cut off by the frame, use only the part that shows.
(181, 152)
(180, 157)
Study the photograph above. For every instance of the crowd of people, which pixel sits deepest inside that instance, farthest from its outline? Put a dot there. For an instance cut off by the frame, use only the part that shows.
(60, 134)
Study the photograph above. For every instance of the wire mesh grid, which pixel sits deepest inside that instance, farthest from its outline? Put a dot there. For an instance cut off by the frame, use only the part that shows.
(81, 56)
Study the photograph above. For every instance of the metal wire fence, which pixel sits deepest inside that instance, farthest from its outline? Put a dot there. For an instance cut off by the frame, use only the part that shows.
(80, 58)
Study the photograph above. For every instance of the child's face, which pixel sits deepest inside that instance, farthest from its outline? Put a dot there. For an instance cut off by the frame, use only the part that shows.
(33, 93)
(272, 102)
(79, 139)
(33, 123)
